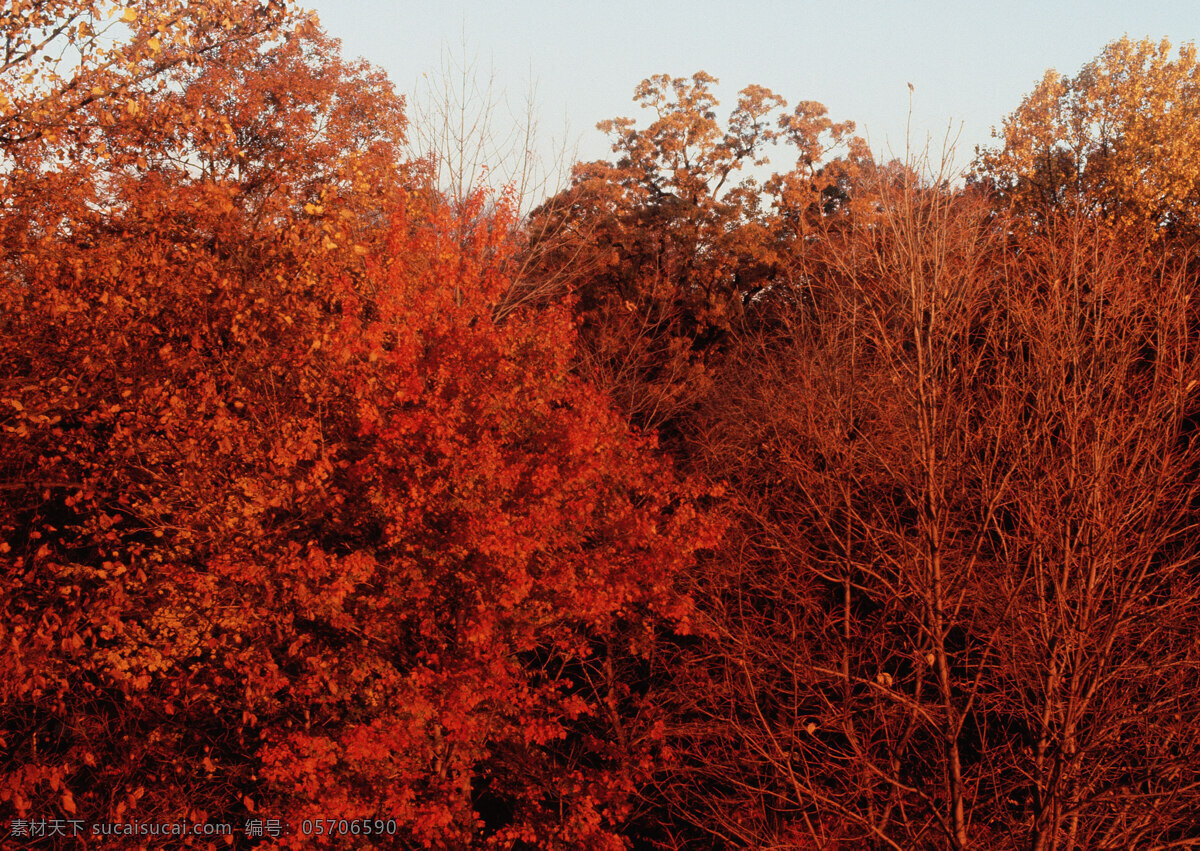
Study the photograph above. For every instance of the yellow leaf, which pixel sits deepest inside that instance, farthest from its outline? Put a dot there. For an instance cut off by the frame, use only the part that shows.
(129, 16)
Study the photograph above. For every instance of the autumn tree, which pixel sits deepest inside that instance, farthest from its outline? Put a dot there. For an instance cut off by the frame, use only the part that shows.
(842, 604)
(1101, 370)
(959, 482)
(62, 56)
(1115, 142)
(521, 531)
(1118, 138)
(289, 524)
(671, 241)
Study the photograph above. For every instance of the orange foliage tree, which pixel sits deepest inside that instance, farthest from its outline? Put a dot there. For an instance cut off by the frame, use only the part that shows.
(289, 525)
(1118, 138)
(669, 244)
(63, 58)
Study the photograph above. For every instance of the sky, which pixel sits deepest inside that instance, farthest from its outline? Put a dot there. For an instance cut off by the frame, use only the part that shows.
(970, 63)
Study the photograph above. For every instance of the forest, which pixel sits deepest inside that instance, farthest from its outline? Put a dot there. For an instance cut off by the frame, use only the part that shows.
(707, 503)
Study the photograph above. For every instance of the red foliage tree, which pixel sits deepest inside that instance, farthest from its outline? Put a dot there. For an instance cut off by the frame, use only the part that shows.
(289, 524)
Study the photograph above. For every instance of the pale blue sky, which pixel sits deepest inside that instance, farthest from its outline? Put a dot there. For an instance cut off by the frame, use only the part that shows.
(970, 62)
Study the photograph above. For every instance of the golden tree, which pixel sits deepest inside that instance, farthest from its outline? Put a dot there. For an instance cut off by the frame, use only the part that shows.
(61, 56)
(1119, 137)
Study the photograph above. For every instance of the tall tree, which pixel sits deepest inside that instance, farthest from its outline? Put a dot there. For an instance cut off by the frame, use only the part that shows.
(289, 525)
(1118, 138)
(962, 562)
(671, 241)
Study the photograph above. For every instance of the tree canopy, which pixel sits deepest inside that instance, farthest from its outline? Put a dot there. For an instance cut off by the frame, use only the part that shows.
(1119, 137)
(707, 506)
(291, 526)
(667, 244)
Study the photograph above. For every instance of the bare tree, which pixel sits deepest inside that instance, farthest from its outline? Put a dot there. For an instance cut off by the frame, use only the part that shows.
(472, 134)
(474, 138)
(1097, 339)
(957, 606)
